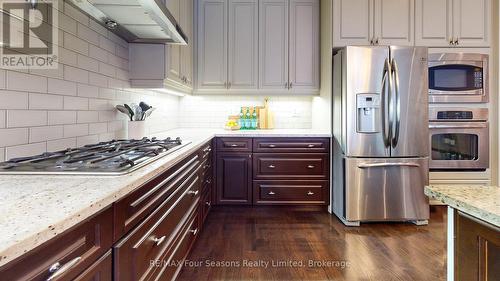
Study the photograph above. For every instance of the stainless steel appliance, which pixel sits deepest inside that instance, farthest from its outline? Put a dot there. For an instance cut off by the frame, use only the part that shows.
(458, 77)
(380, 124)
(459, 139)
(116, 157)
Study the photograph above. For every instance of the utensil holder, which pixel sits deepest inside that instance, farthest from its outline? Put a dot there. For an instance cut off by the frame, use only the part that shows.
(136, 129)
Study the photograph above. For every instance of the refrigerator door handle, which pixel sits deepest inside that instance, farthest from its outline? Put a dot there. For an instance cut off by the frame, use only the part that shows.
(386, 103)
(397, 100)
(382, 165)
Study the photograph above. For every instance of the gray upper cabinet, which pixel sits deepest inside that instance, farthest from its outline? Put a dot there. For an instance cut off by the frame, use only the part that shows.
(243, 44)
(394, 22)
(212, 44)
(169, 67)
(304, 45)
(258, 47)
(273, 40)
(352, 22)
(453, 23)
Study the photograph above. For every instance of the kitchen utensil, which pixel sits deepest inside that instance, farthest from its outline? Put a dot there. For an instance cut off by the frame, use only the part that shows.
(137, 111)
(145, 107)
(148, 112)
(123, 109)
(130, 110)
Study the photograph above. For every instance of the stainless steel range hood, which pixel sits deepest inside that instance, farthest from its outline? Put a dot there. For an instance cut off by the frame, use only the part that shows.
(137, 21)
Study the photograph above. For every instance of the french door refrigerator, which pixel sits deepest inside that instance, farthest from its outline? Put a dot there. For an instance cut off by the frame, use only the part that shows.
(380, 125)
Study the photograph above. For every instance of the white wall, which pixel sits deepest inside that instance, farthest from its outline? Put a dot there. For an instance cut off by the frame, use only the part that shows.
(47, 110)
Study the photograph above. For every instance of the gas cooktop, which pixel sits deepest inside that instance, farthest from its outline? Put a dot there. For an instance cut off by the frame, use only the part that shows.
(116, 157)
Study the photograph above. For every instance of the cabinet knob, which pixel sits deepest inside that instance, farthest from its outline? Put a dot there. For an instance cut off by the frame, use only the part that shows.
(451, 41)
(208, 203)
(271, 193)
(234, 145)
(310, 145)
(310, 166)
(371, 41)
(376, 41)
(456, 42)
(271, 166)
(309, 193)
(194, 192)
(291, 85)
(194, 231)
(158, 241)
(272, 146)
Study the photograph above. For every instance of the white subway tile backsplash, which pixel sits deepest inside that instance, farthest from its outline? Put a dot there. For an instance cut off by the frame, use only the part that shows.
(61, 144)
(67, 57)
(77, 130)
(98, 28)
(2, 154)
(105, 116)
(87, 63)
(61, 117)
(25, 82)
(26, 118)
(122, 52)
(98, 53)
(76, 103)
(81, 141)
(44, 101)
(2, 119)
(76, 75)
(98, 128)
(52, 73)
(38, 134)
(98, 80)
(107, 69)
(116, 39)
(9, 137)
(101, 105)
(75, 14)
(73, 43)
(116, 126)
(106, 44)
(13, 100)
(2, 78)
(87, 116)
(106, 93)
(88, 34)
(25, 150)
(61, 87)
(66, 23)
(88, 91)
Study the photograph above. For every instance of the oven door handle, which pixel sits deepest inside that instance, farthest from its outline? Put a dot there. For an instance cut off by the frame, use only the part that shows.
(479, 125)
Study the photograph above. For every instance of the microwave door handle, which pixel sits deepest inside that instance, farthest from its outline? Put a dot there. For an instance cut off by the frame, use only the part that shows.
(397, 100)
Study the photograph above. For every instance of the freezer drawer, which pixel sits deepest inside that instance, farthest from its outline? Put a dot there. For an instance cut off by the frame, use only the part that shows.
(386, 189)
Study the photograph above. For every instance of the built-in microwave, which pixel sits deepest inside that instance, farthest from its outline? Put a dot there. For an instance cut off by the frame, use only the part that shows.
(458, 78)
(459, 139)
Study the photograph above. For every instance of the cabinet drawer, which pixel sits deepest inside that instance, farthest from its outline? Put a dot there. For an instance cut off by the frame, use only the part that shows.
(234, 144)
(205, 205)
(101, 270)
(290, 166)
(155, 236)
(206, 151)
(291, 145)
(72, 252)
(290, 192)
(135, 207)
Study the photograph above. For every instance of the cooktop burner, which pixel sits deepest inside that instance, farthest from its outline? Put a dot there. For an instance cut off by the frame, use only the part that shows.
(116, 157)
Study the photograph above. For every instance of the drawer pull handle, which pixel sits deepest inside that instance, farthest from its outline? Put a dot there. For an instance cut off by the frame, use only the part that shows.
(160, 240)
(208, 181)
(208, 149)
(271, 193)
(310, 166)
(272, 146)
(271, 166)
(206, 166)
(310, 193)
(194, 192)
(57, 269)
(234, 145)
(311, 145)
(194, 231)
(208, 203)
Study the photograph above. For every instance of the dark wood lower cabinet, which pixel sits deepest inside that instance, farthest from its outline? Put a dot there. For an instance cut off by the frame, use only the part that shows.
(477, 249)
(234, 178)
(290, 192)
(101, 270)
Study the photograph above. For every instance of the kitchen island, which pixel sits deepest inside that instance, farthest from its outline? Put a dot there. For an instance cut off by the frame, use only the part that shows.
(473, 230)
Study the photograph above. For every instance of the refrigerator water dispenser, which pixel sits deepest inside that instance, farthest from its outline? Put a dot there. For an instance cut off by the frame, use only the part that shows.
(368, 113)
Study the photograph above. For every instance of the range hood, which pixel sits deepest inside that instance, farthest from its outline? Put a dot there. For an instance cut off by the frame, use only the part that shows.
(136, 21)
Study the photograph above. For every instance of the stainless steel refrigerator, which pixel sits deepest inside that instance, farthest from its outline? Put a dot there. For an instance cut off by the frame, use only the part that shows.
(380, 126)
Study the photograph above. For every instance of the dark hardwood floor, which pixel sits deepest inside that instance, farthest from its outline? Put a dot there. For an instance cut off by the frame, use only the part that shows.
(234, 235)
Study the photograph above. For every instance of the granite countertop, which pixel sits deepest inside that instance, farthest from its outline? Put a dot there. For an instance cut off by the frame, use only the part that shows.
(36, 208)
(482, 202)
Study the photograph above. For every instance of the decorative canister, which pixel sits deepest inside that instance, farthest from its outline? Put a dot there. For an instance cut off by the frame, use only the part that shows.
(136, 129)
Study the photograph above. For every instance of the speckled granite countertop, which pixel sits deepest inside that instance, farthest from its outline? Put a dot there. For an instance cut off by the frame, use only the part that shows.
(482, 202)
(36, 208)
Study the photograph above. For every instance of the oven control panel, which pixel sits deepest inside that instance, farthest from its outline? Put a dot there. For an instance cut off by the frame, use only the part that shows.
(447, 115)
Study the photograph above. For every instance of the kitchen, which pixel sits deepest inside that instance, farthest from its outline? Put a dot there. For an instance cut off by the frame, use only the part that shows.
(270, 154)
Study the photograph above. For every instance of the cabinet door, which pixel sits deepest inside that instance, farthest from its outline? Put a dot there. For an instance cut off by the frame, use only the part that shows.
(174, 51)
(186, 65)
(273, 40)
(243, 44)
(471, 22)
(352, 22)
(212, 44)
(434, 24)
(394, 21)
(304, 45)
(234, 178)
